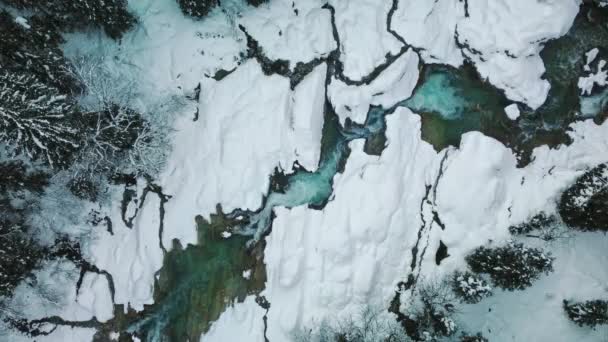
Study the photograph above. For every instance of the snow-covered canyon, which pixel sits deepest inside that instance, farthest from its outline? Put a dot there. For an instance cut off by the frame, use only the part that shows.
(322, 153)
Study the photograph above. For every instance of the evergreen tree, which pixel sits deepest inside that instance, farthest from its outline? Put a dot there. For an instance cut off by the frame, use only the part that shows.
(19, 254)
(197, 8)
(111, 15)
(256, 3)
(589, 313)
(512, 267)
(32, 46)
(36, 119)
(537, 222)
(584, 205)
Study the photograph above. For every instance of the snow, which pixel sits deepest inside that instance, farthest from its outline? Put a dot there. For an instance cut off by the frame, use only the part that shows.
(131, 255)
(430, 26)
(512, 111)
(328, 263)
(580, 274)
(167, 53)
(364, 40)
(392, 86)
(599, 78)
(591, 55)
(23, 22)
(240, 322)
(508, 54)
(297, 31)
(247, 274)
(94, 293)
(332, 262)
(249, 124)
(53, 293)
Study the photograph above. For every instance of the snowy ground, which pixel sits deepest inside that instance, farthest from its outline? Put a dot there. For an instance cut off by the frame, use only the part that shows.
(330, 262)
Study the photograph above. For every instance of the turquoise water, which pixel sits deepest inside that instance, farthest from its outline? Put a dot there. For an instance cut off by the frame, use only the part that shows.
(440, 94)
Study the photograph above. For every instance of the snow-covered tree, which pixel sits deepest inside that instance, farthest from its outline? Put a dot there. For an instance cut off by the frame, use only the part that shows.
(471, 288)
(543, 226)
(256, 3)
(120, 138)
(36, 119)
(19, 254)
(111, 15)
(584, 205)
(197, 8)
(32, 46)
(535, 223)
(431, 310)
(590, 313)
(473, 338)
(513, 266)
(367, 325)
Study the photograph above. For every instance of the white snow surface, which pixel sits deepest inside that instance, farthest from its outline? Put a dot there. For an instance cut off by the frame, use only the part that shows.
(393, 85)
(364, 40)
(58, 297)
(283, 29)
(130, 255)
(430, 26)
(240, 322)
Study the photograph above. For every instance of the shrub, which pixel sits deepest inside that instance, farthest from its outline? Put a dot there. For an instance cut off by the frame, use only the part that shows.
(471, 288)
(473, 338)
(512, 267)
(590, 313)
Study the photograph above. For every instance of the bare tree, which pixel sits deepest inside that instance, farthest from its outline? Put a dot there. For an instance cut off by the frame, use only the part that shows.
(369, 324)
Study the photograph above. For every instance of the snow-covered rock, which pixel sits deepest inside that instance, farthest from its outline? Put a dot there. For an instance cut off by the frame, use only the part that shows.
(393, 85)
(430, 26)
(512, 111)
(504, 39)
(297, 31)
(364, 40)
